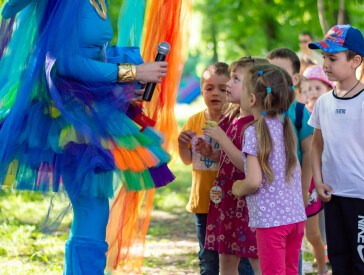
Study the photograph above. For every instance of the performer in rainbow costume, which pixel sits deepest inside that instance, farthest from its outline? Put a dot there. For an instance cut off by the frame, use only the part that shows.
(69, 123)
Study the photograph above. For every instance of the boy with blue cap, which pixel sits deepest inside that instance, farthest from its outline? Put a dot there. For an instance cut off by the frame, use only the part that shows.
(338, 149)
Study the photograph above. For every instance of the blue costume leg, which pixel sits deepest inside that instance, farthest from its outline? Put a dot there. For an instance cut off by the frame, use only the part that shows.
(86, 246)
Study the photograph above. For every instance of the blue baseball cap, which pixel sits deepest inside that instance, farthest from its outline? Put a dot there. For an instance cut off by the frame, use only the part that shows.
(341, 38)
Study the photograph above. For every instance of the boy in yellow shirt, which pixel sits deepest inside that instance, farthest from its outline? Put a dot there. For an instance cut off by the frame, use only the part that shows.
(204, 170)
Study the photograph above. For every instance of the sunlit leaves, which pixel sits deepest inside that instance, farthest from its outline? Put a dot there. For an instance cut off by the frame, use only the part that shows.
(253, 27)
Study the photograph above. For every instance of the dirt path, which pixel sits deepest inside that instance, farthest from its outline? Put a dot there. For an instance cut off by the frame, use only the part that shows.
(173, 248)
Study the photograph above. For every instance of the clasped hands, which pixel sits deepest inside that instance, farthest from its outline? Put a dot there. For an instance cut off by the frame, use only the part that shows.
(204, 148)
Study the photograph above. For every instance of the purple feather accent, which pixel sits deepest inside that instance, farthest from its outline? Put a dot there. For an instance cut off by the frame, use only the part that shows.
(161, 175)
(6, 31)
(133, 110)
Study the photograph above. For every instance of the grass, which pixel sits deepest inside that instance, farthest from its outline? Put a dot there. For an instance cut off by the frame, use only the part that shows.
(24, 249)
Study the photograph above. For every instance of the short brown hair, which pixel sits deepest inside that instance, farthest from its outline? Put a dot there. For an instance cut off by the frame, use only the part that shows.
(288, 54)
(219, 68)
(350, 55)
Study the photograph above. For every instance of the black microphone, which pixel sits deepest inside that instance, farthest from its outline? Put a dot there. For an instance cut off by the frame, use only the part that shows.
(163, 50)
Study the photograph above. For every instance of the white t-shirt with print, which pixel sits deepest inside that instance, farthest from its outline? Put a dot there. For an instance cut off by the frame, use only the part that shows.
(341, 121)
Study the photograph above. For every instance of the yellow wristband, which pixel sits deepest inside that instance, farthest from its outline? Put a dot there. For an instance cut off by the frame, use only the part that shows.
(127, 72)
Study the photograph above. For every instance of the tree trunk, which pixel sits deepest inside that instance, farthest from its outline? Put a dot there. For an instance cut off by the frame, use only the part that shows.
(215, 58)
(341, 14)
(321, 11)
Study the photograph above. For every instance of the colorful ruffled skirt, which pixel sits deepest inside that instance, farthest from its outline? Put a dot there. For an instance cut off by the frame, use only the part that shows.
(81, 138)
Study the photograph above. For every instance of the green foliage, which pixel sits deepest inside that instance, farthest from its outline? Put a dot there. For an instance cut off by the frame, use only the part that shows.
(114, 8)
(236, 28)
(175, 195)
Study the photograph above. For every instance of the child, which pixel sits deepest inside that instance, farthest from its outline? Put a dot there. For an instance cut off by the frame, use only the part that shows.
(302, 94)
(318, 84)
(227, 222)
(273, 180)
(204, 170)
(338, 149)
(298, 114)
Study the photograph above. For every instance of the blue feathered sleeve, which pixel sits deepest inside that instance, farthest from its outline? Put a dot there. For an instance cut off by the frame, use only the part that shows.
(87, 70)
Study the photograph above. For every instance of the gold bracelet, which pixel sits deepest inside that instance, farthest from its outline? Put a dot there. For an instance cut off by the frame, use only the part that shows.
(126, 72)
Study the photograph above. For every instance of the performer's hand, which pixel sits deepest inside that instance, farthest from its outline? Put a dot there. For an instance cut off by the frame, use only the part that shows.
(151, 71)
(138, 95)
(203, 148)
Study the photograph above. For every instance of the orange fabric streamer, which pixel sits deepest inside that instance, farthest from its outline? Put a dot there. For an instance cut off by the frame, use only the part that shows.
(129, 159)
(126, 231)
(137, 160)
(166, 20)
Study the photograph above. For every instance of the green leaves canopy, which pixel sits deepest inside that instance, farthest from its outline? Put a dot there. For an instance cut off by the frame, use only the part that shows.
(231, 29)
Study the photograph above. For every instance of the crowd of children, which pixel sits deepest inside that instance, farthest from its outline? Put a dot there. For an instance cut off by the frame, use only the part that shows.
(286, 146)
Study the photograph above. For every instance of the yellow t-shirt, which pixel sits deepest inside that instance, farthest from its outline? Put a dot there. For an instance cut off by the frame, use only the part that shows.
(204, 170)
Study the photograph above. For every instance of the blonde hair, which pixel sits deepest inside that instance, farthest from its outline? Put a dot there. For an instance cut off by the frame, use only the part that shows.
(243, 63)
(276, 102)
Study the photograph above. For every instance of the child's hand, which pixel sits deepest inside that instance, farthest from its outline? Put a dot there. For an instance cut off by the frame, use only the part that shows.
(324, 192)
(185, 137)
(214, 131)
(237, 188)
(203, 148)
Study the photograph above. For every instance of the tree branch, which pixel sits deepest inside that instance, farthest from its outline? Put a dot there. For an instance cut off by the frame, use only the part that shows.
(321, 12)
(341, 14)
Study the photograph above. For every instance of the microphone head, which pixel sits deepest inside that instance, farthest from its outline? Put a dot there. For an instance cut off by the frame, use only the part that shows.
(164, 48)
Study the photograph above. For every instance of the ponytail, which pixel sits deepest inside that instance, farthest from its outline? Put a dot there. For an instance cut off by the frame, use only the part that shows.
(272, 87)
(290, 145)
(265, 147)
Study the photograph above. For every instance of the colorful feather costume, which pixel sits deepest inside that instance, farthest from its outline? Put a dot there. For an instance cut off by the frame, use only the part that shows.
(67, 126)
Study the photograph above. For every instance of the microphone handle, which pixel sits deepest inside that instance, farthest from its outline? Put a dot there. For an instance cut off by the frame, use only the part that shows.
(149, 88)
